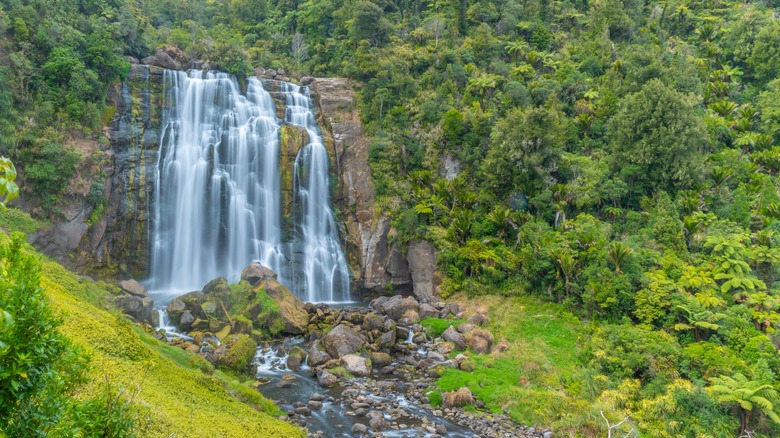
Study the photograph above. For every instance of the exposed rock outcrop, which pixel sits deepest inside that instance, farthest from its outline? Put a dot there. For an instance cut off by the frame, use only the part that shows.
(422, 264)
(375, 263)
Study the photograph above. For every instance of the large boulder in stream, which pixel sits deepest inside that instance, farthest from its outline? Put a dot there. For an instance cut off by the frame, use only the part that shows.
(290, 308)
(342, 340)
(318, 356)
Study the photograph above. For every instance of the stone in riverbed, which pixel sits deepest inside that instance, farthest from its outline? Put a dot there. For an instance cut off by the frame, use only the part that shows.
(387, 340)
(356, 365)
(359, 429)
(342, 340)
(380, 359)
(295, 358)
(378, 424)
(452, 335)
(236, 352)
(175, 310)
(326, 378)
(317, 356)
(314, 405)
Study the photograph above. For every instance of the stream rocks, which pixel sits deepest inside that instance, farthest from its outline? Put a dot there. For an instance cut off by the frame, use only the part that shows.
(342, 340)
(356, 365)
(377, 363)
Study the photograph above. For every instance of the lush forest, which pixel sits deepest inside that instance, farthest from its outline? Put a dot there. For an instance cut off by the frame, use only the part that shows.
(616, 158)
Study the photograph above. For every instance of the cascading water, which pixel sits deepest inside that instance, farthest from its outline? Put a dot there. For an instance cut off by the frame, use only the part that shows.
(321, 273)
(218, 194)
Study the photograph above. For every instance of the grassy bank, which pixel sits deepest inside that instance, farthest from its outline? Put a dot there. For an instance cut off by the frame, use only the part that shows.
(535, 380)
(169, 393)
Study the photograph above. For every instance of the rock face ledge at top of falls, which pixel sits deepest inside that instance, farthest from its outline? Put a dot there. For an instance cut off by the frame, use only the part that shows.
(119, 240)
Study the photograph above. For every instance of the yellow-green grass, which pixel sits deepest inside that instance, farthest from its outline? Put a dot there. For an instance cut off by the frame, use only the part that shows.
(534, 379)
(173, 396)
(13, 219)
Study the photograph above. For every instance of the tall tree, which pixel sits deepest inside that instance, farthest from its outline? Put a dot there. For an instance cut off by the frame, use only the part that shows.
(657, 140)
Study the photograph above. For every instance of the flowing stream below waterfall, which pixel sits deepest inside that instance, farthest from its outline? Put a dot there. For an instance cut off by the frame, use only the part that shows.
(352, 402)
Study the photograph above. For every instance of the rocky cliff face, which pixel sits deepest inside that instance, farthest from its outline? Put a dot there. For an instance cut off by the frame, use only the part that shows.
(375, 263)
(119, 239)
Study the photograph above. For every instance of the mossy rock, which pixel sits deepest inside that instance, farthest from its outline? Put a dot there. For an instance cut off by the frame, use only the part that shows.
(242, 324)
(236, 353)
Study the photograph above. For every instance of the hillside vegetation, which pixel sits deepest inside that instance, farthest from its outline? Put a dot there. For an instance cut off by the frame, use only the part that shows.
(616, 158)
(68, 367)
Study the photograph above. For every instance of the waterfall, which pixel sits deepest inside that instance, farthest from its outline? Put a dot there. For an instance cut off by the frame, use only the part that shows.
(218, 195)
(319, 263)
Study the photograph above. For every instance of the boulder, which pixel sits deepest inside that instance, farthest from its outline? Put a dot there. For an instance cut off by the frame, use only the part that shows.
(326, 378)
(410, 317)
(452, 335)
(236, 353)
(342, 340)
(422, 265)
(216, 286)
(372, 321)
(169, 57)
(295, 358)
(186, 320)
(256, 272)
(133, 287)
(428, 311)
(140, 308)
(175, 310)
(377, 303)
(459, 398)
(317, 356)
(291, 308)
(387, 339)
(356, 365)
(380, 359)
(359, 429)
(378, 424)
(395, 307)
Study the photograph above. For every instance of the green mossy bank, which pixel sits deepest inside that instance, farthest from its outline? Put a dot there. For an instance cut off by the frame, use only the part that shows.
(170, 394)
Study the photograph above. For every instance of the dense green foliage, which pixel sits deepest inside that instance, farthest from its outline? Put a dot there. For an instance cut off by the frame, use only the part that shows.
(618, 158)
(40, 369)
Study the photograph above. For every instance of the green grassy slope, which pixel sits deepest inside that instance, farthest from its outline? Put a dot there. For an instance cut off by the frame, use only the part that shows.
(173, 397)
